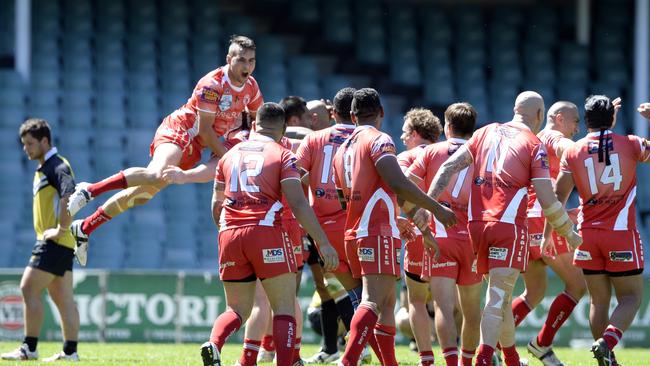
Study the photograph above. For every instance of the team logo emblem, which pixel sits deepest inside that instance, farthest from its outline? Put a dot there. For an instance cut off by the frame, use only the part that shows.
(225, 102)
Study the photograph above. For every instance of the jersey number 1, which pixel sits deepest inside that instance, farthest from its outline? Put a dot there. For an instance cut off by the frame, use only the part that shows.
(611, 174)
(241, 176)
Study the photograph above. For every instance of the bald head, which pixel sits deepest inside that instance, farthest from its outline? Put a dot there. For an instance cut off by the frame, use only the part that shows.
(320, 114)
(563, 116)
(529, 109)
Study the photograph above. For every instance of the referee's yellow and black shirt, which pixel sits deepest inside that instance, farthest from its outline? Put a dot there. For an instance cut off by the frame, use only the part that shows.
(52, 180)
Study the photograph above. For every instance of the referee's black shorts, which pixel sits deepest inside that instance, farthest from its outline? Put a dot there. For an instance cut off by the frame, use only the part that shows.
(51, 257)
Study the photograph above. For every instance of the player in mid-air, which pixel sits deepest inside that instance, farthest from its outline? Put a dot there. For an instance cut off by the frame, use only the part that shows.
(250, 181)
(561, 124)
(602, 166)
(370, 181)
(455, 271)
(214, 109)
(507, 158)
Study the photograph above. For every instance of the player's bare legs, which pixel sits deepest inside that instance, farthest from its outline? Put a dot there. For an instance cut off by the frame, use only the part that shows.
(469, 299)
(32, 284)
(256, 326)
(282, 297)
(600, 294)
(536, 281)
(60, 290)
(418, 314)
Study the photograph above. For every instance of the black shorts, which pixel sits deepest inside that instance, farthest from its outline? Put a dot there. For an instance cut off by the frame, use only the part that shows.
(51, 257)
(314, 257)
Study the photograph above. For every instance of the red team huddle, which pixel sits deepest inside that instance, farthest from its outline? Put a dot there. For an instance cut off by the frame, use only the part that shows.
(481, 204)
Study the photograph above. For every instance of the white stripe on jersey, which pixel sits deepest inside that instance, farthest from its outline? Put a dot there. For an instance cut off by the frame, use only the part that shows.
(379, 195)
(621, 219)
(440, 229)
(510, 213)
(270, 216)
(536, 210)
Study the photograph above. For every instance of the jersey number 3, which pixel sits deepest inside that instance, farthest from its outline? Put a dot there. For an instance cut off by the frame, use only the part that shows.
(253, 164)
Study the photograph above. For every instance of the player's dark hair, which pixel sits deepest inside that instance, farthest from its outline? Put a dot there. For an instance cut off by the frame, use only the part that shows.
(293, 106)
(425, 123)
(271, 114)
(342, 102)
(242, 41)
(599, 114)
(366, 104)
(461, 117)
(38, 128)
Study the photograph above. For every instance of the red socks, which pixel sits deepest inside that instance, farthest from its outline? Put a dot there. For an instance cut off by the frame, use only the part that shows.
(484, 357)
(520, 309)
(92, 222)
(267, 343)
(361, 328)
(612, 336)
(296, 350)
(226, 324)
(284, 337)
(372, 341)
(451, 356)
(510, 356)
(559, 312)
(467, 356)
(116, 181)
(426, 358)
(249, 353)
(385, 336)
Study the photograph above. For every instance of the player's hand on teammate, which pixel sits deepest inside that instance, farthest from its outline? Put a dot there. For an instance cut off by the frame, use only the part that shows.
(446, 216)
(431, 246)
(329, 257)
(422, 218)
(644, 110)
(173, 175)
(406, 229)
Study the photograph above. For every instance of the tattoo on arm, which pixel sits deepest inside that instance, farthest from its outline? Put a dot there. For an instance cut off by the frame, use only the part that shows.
(457, 162)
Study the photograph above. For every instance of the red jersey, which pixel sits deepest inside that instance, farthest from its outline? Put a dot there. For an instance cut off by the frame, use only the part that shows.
(456, 195)
(554, 143)
(607, 193)
(372, 206)
(406, 158)
(215, 94)
(252, 173)
(315, 155)
(506, 158)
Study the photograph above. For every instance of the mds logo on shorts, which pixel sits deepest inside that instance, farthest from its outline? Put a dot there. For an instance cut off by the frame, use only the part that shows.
(366, 254)
(621, 256)
(499, 254)
(275, 255)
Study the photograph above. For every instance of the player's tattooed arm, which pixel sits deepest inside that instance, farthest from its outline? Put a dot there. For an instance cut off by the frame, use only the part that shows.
(217, 201)
(457, 162)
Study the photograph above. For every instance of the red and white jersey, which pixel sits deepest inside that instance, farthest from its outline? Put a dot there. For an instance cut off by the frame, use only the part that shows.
(372, 207)
(214, 93)
(406, 158)
(507, 157)
(315, 155)
(287, 214)
(607, 193)
(252, 173)
(456, 195)
(554, 143)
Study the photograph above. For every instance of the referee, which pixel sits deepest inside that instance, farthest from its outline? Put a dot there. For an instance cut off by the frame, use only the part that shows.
(50, 266)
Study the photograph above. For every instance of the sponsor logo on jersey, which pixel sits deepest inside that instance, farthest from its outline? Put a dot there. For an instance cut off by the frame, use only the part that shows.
(225, 102)
(319, 192)
(366, 254)
(209, 95)
(275, 255)
(499, 254)
(621, 256)
(479, 180)
(543, 157)
(443, 264)
(581, 255)
(297, 249)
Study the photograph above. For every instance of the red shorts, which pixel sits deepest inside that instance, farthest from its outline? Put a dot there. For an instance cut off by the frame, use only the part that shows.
(262, 251)
(498, 245)
(414, 256)
(295, 233)
(374, 255)
(173, 131)
(457, 261)
(336, 238)
(609, 250)
(536, 236)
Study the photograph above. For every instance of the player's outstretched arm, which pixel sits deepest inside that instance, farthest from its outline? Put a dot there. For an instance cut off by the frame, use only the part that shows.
(460, 160)
(202, 173)
(292, 191)
(553, 208)
(208, 134)
(217, 201)
(392, 175)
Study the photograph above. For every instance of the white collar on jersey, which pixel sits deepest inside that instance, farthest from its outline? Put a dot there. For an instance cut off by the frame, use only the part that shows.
(50, 153)
(344, 125)
(455, 140)
(257, 137)
(597, 133)
(227, 79)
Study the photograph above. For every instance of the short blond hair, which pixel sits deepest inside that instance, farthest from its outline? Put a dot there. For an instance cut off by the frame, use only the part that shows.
(424, 122)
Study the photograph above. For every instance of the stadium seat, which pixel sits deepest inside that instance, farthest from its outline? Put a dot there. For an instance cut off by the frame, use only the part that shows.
(142, 109)
(180, 258)
(338, 21)
(137, 146)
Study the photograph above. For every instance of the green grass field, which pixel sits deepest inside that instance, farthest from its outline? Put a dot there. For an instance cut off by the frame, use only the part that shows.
(188, 354)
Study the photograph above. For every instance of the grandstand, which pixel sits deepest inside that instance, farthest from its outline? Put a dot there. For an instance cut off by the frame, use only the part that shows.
(105, 73)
